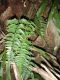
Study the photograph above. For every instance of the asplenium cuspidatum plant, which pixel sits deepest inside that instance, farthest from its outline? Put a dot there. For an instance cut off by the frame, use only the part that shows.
(17, 47)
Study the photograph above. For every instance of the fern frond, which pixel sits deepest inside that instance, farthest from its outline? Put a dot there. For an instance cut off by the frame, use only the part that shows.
(39, 21)
(17, 46)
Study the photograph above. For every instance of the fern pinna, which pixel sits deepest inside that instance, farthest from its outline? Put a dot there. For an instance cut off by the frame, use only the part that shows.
(17, 46)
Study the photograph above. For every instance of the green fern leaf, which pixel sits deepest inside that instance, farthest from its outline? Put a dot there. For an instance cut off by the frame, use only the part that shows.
(17, 45)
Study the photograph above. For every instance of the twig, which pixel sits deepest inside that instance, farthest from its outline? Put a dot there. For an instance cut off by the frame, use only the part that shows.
(14, 72)
(44, 74)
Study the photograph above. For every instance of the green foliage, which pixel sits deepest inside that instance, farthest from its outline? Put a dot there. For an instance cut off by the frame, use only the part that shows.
(17, 46)
(39, 21)
(2, 64)
(0, 71)
(41, 24)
